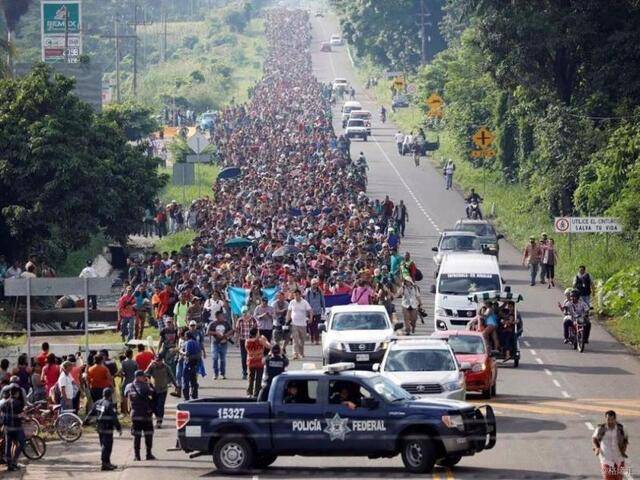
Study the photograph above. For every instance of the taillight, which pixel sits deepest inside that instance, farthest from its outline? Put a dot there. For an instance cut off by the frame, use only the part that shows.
(182, 418)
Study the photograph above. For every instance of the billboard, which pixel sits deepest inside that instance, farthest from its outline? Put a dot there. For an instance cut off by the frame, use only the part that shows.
(61, 30)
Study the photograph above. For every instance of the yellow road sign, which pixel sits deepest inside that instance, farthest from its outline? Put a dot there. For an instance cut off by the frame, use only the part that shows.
(486, 153)
(435, 113)
(398, 82)
(434, 101)
(483, 138)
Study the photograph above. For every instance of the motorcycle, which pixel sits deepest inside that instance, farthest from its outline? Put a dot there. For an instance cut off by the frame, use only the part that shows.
(473, 210)
(577, 332)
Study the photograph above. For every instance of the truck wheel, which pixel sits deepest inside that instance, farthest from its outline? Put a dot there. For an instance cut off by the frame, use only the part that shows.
(233, 454)
(450, 461)
(263, 461)
(418, 454)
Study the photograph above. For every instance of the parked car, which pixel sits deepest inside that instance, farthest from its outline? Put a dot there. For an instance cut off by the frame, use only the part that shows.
(400, 101)
(424, 366)
(472, 348)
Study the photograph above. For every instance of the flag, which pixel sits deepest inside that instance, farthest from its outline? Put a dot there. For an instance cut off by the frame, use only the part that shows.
(238, 298)
(270, 293)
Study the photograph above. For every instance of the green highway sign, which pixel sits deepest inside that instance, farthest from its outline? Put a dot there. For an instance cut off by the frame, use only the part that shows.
(61, 30)
(61, 17)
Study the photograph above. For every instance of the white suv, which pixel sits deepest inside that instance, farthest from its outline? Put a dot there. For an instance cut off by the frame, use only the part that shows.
(424, 366)
(356, 333)
(356, 128)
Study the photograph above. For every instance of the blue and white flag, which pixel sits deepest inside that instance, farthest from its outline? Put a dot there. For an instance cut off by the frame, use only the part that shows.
(239, 297)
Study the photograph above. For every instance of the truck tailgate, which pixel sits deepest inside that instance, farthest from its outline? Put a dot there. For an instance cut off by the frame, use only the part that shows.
(208, 417)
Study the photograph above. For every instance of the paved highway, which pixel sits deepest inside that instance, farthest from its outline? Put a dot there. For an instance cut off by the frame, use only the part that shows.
(546, 408)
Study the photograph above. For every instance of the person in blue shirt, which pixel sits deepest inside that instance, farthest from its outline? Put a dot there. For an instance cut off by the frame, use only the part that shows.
(192, 359)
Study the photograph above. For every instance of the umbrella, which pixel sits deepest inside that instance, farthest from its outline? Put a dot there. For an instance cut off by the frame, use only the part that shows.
(229, 172)
(238, 242)
(286, 250)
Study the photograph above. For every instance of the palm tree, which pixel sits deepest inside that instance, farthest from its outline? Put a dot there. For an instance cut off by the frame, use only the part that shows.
(12, 10)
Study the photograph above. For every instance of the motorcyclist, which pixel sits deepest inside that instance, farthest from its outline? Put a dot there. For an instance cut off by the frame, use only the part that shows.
(473, 198)
(574, 309)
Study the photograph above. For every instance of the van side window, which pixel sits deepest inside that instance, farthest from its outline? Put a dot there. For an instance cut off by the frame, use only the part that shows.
(300, 391)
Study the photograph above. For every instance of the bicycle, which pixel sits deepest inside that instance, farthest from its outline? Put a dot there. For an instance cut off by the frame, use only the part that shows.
(34, 445)
(52, 419)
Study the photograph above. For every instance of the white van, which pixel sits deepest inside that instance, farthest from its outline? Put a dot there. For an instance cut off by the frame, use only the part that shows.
(461, 275)
(346, 110)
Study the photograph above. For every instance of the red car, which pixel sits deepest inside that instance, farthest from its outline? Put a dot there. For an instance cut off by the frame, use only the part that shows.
(471, 347)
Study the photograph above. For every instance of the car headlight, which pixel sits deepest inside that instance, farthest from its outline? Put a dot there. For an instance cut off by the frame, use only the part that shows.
(453, 421)
(478, 367)
(337, 346)
(383, 345)
(440, 312)
(455, 385)
(440, 325)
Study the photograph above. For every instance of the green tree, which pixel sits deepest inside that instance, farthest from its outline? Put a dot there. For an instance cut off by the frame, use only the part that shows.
(65, 173)
(135, 121)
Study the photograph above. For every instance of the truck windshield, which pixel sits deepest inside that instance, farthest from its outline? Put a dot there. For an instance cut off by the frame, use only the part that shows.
(356, 123)
(464, 284)
(480, 229)
(388, 390)
(359, 321)
(460, 243)
(466, 344)
(413, 360)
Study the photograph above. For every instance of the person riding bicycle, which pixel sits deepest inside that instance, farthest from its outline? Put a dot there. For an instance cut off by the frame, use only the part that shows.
(576, 309)
(473, 198)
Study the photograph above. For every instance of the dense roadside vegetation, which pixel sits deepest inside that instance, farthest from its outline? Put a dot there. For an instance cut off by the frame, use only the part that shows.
(555, 85)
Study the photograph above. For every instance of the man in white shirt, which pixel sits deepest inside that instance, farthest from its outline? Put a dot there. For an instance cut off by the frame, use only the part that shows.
(610, 443)
(299, 313)
(399, 139)
(65, 385)
(90, 272)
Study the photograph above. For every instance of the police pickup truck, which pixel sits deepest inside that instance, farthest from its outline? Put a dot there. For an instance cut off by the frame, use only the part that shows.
(335, 411)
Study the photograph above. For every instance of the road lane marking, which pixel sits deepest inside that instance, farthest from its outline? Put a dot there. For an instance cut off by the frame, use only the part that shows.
(565, 394)
(533, 352)
(450, 474)
(527, 344)
(556, 383)
(632, 402)
(395, 169)
(548, 372)
(539, 361)
(589, 425)
(436, 476)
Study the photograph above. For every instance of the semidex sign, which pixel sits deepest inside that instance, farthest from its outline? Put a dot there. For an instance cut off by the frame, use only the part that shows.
(60, 17)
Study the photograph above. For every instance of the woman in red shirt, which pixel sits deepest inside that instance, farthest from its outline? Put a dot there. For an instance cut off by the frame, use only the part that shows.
(255, 346)
(50, 373)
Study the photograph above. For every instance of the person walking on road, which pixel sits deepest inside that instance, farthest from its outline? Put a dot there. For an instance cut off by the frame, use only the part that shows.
(543, 243)
(255, 345)
(583, 284)
(399, 141)
(192, 359)
(410, 295)
(610, 442)
(315, 298)
(219, 331)
(448, 170)
(531, 257)
(401, 217)
(11, 414)
(140, 395)
(300, 314)
(106, 422)
(243, 326)
(275, 363)
(162, 376)
(549, 261)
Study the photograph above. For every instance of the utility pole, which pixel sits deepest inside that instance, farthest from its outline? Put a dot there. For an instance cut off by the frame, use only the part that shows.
(116, 36)
(135, 25)
(164, 36)
(424, 23)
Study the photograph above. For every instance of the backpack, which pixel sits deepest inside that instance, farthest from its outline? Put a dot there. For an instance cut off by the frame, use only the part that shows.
(419, 275)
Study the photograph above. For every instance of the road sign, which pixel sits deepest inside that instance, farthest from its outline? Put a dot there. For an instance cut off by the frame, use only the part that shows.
(198, 158)
(411, 88)
(183, 174)
(483, 138)
(390, 74)
(435, 104)
(197, 142)
(398, 82)
(486, 153)
(587, 225)
(61, 30)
